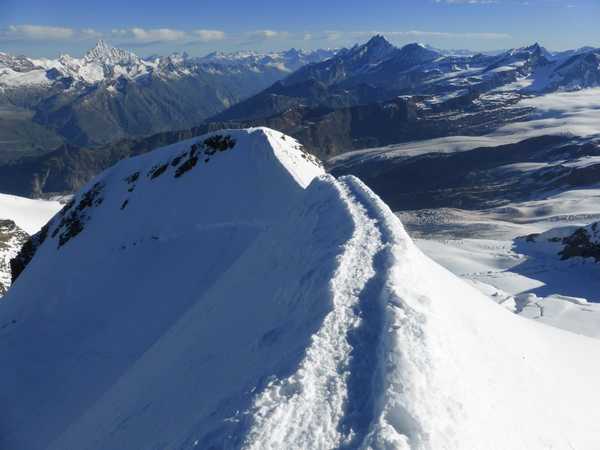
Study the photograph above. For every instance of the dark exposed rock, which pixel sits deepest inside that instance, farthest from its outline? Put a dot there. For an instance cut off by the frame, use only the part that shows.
(218, 143)
(473, 179)
(186, 166)
(20, 262)
(73, 219)
(72, 226)
(91, 197)
(158, 171)
(12, 239)
(177, 160)
(133, 178)
(582, 244)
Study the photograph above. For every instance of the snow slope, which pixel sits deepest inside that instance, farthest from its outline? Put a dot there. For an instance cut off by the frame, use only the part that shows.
(253, 302)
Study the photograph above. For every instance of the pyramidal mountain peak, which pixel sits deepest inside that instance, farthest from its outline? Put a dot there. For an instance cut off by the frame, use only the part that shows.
(106, 53)
(379, 44)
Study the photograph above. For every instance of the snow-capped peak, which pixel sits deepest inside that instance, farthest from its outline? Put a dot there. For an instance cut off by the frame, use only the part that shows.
(107, 54)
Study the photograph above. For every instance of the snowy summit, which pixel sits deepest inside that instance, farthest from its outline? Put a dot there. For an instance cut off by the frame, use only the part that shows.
(225, 293)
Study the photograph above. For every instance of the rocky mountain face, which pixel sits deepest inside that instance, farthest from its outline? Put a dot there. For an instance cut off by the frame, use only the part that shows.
(451, 91)
(325, 132)
(377, 71)
(110, 94)
(583, 243)
(12, 239)
(480, 178)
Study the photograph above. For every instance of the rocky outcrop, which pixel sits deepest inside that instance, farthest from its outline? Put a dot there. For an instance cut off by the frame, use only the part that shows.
(12, 239)
(583, 243)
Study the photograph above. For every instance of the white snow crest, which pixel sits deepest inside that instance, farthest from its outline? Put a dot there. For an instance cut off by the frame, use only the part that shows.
(253, 302)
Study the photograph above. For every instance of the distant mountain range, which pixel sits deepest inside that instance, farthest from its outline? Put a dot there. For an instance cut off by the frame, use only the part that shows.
(370, 95)
(110, 94)
(436, 83)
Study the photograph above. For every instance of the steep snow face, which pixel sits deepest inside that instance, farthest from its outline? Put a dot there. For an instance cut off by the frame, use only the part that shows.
(249, 301)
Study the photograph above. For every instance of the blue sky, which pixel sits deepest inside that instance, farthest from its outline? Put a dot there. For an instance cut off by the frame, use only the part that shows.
(46, 28)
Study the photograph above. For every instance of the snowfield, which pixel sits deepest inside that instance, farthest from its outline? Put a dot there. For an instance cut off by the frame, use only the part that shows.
(225, 293)
(30, 215)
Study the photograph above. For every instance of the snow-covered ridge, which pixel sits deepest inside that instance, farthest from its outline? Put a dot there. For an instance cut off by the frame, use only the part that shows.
(199, 155)
(105, 63)
(224, 293)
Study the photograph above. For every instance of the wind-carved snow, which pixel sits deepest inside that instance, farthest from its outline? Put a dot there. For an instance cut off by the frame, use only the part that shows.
(224, 293)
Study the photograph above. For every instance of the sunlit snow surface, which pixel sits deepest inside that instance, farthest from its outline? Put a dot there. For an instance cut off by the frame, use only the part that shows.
(253, 302)
(28, 214)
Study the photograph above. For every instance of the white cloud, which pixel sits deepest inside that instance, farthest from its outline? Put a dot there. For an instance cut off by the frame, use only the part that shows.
(138, 36)
(268, 34)
(142, 35)
(36, 32)
(408, 34)
(90, 33)
(208, 35)
(445, 35)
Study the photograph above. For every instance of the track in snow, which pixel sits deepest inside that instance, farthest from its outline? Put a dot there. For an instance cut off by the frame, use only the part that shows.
(330, 401)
